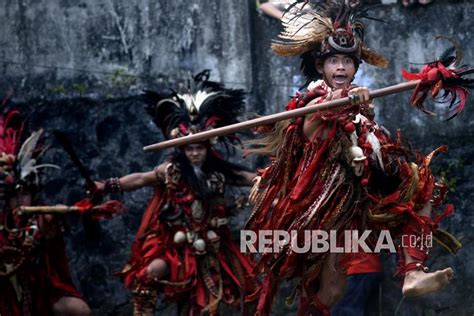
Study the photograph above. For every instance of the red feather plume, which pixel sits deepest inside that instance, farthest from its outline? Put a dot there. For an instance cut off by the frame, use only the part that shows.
(443, 82)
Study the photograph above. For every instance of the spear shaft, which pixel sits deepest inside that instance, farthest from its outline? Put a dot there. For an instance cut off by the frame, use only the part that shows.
(56, 209)
(273, 118)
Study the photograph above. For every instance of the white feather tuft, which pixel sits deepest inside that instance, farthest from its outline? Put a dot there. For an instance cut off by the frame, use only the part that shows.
(375, 143)
(25, 155)
(194, 102)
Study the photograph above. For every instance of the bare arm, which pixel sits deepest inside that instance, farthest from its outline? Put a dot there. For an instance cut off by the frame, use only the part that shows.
(136, 181)
(139, 180)
(271, 10)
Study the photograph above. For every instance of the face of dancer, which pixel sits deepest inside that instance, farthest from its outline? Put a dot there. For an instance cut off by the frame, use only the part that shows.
(196, 153)
(338, 70)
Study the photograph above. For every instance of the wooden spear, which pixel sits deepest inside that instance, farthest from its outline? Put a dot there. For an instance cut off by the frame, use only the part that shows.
(57, 209)
(269, 119)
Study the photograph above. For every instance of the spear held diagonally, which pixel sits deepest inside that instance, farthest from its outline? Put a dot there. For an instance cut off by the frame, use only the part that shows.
(273, 118)
(438, 78)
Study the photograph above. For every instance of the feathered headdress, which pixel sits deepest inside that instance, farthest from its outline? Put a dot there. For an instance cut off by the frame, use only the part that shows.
(201, 105)
(18, 160)
(327, 27)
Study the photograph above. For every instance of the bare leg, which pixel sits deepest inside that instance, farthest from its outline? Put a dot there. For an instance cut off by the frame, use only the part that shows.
(418, 282)
(71, 306)
(333, 281)
(144, 297)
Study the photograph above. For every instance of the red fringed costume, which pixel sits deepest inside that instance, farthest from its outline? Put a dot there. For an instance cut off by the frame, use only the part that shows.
(351, 176)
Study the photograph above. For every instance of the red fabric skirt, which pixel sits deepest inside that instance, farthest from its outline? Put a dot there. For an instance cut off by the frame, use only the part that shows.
(186, 279)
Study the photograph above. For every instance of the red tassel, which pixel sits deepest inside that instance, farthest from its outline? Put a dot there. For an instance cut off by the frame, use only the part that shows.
(84, 205)
(112, 207)
(105, 210)
(436, 77)
(448, 211)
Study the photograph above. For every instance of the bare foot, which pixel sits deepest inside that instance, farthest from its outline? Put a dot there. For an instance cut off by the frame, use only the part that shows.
(419, 283)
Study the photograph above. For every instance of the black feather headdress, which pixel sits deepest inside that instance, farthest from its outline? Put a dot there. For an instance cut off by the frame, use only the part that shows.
(200, 105)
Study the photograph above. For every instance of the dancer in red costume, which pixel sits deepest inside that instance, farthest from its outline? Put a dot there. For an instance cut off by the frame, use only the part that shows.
(34, 273)
(183, 247)
(339, 170)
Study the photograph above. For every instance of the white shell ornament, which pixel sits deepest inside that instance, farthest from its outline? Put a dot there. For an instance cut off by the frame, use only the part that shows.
(179, 237)
(211, 235)
(356, 156)
(199, 245)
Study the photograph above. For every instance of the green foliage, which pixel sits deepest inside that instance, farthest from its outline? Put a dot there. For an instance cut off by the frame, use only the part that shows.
(121, 79)
(57, 89)
(446, 174)
(81, 89)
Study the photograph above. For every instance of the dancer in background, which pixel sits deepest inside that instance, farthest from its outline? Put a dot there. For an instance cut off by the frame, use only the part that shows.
(183, 247)
(34, 273)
